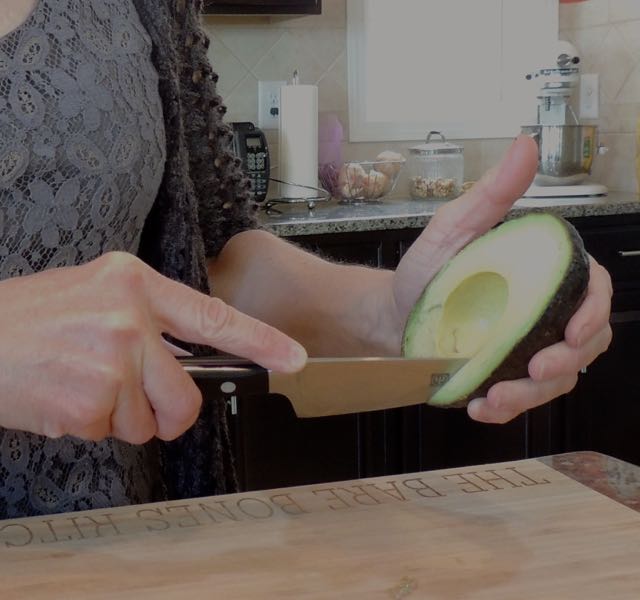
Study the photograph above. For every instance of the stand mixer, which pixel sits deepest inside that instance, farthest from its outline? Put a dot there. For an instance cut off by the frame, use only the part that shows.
(566, 148)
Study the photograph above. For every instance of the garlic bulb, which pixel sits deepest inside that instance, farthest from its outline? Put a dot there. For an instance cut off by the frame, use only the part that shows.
(376, 184)
(390, 169)
(351, 180)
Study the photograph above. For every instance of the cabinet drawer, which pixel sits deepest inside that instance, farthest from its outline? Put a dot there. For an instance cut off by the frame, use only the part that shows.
(618, 250)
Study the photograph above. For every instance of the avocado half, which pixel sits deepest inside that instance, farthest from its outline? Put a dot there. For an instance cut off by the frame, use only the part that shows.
(501, 299)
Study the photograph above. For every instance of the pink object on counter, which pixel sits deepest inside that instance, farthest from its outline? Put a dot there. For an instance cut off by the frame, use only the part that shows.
(330, 137)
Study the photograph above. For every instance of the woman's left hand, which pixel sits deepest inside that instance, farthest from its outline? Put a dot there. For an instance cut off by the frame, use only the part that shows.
(554, 370)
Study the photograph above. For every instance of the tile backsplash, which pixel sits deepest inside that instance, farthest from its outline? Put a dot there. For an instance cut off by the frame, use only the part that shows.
(245, 50)
(607, 35)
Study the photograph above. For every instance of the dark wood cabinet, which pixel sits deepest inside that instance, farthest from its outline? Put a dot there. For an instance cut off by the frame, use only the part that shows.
(262, 7)
(274, 448)
(602, 414)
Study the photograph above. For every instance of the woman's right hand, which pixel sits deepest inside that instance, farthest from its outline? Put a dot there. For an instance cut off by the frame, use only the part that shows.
(81, 350)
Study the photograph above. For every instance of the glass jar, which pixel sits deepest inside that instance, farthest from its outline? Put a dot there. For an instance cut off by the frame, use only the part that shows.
(436, 169)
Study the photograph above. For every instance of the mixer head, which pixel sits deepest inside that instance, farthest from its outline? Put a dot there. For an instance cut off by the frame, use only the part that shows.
(557, 82)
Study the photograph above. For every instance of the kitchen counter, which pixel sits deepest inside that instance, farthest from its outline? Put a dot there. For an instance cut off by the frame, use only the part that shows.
(614, 478)
(333, 217)
(520, 529)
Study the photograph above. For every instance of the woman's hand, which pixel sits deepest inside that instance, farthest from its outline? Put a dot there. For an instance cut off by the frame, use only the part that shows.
(81, 350)
(554, 370)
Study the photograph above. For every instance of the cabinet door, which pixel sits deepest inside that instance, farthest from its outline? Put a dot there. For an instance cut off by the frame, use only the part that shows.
(615, 243)
(364, 248)
(272, 7)
(604, 415)
(451, 439)
(604, 412)
(276, 449)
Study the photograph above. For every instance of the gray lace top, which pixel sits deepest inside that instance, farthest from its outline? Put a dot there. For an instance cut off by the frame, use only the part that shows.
(82, 154)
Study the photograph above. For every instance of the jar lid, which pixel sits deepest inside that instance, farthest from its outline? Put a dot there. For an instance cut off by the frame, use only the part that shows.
(433, 148)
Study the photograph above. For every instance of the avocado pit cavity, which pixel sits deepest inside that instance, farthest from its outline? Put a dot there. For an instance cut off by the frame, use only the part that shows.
(471, 313)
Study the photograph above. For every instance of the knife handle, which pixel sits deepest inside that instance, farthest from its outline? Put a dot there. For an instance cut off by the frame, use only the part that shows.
(227, 376)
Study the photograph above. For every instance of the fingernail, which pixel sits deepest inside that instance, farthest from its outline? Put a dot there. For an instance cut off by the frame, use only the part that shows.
(474, 409)
(297, 356)
(582, 334)
(475, 404)
(540, 369)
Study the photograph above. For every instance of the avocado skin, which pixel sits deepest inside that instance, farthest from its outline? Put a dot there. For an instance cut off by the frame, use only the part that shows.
(550, 327)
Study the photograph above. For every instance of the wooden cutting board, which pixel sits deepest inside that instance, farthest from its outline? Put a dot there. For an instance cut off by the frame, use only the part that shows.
(510, 531)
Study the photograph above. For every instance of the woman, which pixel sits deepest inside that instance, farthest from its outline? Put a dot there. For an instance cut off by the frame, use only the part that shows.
(111, 146)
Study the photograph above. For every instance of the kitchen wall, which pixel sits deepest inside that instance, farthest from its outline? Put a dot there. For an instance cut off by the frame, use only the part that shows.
(607, 35)
(245, 50)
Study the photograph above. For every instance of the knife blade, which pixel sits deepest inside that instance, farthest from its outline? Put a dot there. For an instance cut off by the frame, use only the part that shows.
(329, 386)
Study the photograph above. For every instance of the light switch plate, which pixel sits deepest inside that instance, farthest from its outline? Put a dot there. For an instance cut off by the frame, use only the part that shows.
(589, 96)
(269, 104)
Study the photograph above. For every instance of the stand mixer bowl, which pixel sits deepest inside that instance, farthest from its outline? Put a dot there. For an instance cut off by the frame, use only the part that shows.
(565, 153)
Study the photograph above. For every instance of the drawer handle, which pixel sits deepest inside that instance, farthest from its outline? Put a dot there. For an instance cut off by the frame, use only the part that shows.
(627, 253)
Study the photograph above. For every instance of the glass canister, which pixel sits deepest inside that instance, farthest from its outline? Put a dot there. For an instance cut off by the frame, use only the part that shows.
(436, 169)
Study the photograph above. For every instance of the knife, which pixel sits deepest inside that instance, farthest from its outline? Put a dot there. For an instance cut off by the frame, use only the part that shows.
(329, 386)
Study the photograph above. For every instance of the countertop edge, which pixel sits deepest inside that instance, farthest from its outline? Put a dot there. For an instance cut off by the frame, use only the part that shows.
(334, 218)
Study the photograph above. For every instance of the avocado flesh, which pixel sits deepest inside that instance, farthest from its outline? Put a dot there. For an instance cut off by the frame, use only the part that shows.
(500, 300)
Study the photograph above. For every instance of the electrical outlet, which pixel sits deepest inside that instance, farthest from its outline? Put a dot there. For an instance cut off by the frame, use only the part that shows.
(589, 96)
(269, 104)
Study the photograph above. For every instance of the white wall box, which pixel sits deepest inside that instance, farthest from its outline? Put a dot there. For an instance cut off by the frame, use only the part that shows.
(456, 66)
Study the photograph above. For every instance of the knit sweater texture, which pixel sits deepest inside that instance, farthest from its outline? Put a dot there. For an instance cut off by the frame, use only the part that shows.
(203, 201)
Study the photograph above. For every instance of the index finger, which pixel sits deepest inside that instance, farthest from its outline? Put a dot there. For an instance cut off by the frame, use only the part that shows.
(192, 316)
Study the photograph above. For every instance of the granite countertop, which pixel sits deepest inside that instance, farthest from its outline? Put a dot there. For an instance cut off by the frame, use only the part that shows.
(334, 217)
(614, 478)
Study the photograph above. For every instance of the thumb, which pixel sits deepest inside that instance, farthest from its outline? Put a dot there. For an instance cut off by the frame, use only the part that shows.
(505, 183)
(460, 221)
(489, 200)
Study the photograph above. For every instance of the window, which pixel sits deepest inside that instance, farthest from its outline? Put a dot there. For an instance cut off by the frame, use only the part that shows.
(456, 66)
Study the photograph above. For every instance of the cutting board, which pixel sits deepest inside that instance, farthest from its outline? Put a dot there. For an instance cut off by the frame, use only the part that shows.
(517, 530)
